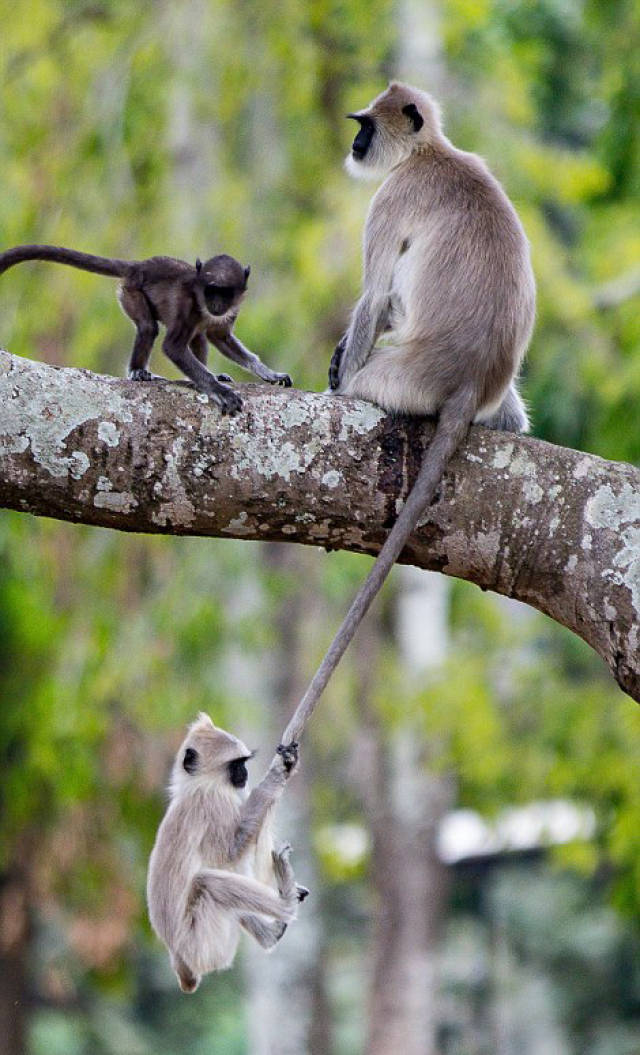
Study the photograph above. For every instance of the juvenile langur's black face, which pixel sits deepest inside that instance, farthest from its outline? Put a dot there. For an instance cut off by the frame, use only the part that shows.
(224, 283)
(220, 299)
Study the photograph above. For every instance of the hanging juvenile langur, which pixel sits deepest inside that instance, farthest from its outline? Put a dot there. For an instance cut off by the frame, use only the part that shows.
(446, 311)
(213, 870)
(196, 305)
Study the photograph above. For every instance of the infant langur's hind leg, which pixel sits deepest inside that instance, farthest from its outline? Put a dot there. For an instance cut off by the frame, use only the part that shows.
(238, 894)
(511, 415)
(282, 870)
(268, 934)
(218, 903)
(134, 303)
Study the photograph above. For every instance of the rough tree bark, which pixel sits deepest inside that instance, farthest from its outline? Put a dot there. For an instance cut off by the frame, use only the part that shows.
(556, 528)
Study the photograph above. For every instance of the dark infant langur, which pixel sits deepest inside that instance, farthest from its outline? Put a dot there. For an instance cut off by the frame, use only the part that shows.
(196, 305)
(446, 311)
(213, 871)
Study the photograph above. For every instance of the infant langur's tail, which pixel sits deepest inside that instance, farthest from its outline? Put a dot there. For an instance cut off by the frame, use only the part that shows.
(100, 265)
(453, 424)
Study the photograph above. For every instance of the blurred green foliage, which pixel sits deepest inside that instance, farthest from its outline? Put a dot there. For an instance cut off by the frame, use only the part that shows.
(208, 125)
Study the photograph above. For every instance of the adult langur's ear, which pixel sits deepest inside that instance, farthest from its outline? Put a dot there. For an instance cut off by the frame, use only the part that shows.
(414, 115)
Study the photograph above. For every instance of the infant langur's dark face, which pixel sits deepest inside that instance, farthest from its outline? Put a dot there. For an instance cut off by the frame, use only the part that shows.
(238, 774)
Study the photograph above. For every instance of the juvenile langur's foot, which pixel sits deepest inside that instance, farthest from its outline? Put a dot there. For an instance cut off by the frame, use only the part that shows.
(226, 380)
(289, 755)
(226, 399)
(142, 375)
(272, 377)
(283, 854)
(280, 379)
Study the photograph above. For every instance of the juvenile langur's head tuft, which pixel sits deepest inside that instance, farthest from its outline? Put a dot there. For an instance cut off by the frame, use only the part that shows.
(398, 123)
(209, 755)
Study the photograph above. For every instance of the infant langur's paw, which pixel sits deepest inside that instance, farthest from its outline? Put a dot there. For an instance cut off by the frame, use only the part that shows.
(282, 379)
(142, 375)
(228, 400)
(289, 755)
(302, 892)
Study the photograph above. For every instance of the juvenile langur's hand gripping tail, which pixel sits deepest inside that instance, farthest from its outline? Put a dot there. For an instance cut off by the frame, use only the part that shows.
(197, 305)
(448, 287)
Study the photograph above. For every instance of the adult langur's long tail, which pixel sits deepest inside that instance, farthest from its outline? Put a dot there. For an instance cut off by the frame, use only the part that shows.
(100, 265)
(453, 424)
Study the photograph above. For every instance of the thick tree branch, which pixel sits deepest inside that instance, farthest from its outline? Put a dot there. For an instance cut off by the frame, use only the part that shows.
(556, 528)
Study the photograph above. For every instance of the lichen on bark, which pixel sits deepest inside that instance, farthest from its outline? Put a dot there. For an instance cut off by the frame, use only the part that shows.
(556, 528)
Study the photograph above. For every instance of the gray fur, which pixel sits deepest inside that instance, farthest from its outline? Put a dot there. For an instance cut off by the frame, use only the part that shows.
(449, 295)
(446, 311)
(213, 869)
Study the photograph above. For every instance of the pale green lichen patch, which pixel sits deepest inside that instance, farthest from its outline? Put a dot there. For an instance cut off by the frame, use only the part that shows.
(607, 510)
(42, 406)
(523, 465)
(115, 501)
(620, 514)
(532, 492)
(332, 479)
(178, 509)
(78, 464)
(108, 433)
(241, 525)
(502, 457)
(296, 412)
(262, 454)
(360, 419)
(583, 468)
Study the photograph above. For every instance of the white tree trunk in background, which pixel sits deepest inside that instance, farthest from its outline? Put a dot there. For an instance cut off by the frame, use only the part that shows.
(282, 983)
(410, 880)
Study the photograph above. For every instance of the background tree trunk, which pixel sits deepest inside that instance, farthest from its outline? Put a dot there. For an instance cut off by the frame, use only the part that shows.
(406, 802)
(290, 979)
(14, 945)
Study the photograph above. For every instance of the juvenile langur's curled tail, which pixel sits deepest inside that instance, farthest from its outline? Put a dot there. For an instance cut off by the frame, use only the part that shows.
(213, 871)
(446, 311)
(197, 305)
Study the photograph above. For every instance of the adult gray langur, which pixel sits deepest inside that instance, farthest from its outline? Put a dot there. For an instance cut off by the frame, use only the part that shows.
(446, 311)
